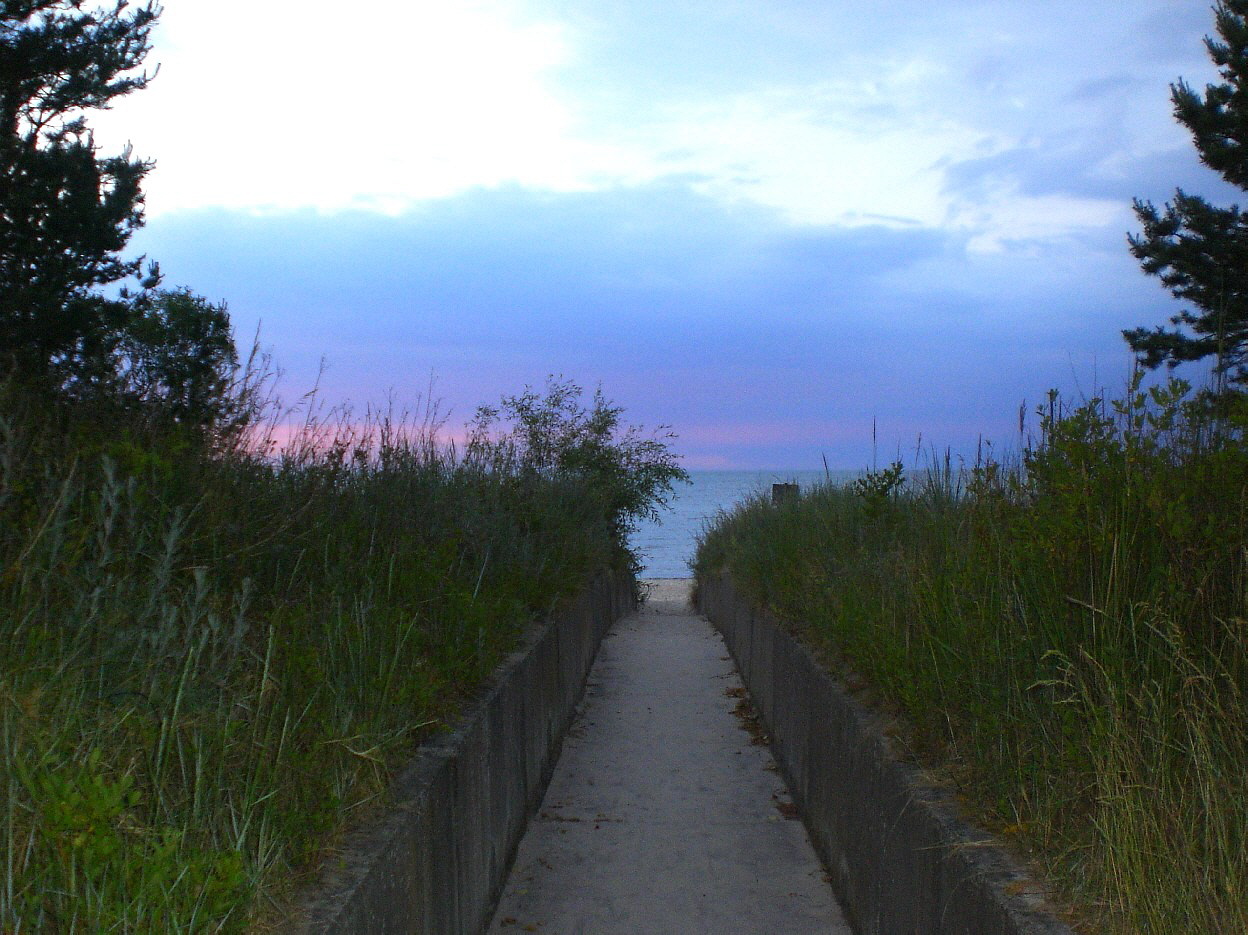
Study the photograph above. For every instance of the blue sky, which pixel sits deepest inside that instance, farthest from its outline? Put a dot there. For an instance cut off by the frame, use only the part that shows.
(769, 224)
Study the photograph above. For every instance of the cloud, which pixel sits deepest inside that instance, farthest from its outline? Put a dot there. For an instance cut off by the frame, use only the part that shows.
(718, 319)
(283, 105)
(829, 113)
(773, 225)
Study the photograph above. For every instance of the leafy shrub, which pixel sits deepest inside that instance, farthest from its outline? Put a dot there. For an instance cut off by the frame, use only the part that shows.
(628, 474)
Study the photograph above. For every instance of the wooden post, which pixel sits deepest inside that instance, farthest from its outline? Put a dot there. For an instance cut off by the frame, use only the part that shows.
(783, 493)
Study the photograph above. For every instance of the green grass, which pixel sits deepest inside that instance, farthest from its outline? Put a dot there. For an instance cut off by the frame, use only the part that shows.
(1065, 637)
(214, 655)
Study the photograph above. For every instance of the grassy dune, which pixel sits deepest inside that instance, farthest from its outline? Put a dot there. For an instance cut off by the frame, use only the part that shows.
(215, 653)
(1065, 637)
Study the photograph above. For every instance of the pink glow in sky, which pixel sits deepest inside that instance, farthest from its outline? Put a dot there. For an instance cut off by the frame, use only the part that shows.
(770, 224)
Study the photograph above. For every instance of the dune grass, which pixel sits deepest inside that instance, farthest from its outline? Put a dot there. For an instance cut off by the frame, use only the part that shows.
(214, 653)
(1065, 637)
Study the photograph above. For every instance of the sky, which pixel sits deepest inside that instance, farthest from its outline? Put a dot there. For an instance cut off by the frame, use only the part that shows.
(791, 230)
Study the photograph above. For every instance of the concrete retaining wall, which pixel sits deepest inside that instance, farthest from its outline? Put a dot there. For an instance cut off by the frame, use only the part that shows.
(900, 858)
(437, 860)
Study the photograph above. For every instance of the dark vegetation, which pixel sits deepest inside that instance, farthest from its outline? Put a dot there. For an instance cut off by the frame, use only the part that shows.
(1064, 633)
(1199, 250)
(213, 656)
(1066, 637)
(218, 647)
(79, 321)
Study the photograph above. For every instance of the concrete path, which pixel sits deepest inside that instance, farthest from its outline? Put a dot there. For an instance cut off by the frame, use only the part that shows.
(662, 815)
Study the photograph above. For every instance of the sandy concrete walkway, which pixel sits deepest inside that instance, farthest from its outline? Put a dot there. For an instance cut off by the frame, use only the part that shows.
(662, 816)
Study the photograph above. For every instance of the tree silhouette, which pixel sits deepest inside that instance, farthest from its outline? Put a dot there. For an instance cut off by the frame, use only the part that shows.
(66, 212)
(1198, 250)
(178, 361)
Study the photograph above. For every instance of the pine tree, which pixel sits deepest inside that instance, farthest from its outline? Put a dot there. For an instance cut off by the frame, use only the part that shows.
(1200, 251)
(66, 212)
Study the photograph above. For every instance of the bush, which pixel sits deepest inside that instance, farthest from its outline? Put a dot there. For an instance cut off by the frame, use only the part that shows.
(629, 475)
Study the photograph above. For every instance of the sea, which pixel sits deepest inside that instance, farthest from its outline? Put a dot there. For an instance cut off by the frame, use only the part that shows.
(666, 547)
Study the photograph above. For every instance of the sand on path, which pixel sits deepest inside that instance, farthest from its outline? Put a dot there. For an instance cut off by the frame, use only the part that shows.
(662, 816)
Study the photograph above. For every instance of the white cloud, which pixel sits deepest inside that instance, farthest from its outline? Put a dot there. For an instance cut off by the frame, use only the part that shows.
(1009, 220)
(844, 153)
(281, 105)
(285, 105)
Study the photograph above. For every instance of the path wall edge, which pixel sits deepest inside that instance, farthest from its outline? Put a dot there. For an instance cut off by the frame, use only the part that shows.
(898, 855)
(435, 861)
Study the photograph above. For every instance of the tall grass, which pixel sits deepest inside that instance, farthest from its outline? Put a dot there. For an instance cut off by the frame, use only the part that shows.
(212, 653)
(1066, 637)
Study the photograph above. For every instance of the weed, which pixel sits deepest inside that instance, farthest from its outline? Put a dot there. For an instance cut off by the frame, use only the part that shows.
(218, 650)
(1064, 632)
